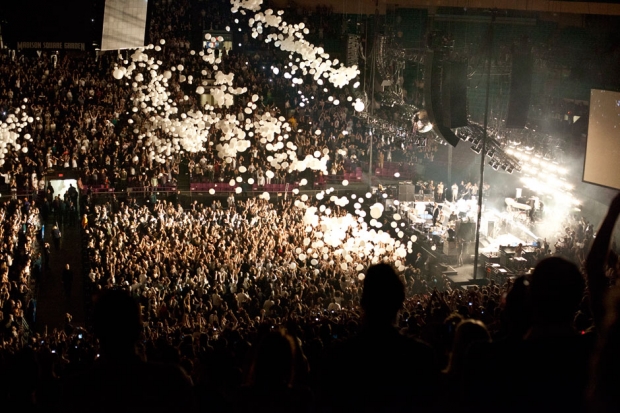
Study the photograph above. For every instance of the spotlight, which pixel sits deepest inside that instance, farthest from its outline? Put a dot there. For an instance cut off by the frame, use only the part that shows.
(490, 153)
(476, 149)
(494, 164)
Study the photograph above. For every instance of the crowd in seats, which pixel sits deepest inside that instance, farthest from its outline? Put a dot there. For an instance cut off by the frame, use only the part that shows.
(80, 121)
(20, 268)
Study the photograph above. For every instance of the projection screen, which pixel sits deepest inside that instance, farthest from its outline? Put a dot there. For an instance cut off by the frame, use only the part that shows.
(602, 160)
(124, 24)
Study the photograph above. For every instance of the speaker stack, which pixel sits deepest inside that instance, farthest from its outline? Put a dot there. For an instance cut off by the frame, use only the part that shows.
(445, 95)
(406, 192)
(520, 90)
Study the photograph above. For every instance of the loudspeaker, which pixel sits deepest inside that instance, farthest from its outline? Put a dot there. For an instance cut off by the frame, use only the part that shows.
(466, 231)
(520, 91)
(353, 49)
(406, 192)
(454, 94)
(432, 98)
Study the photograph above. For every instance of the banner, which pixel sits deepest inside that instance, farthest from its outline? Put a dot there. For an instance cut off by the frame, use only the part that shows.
(51, 45)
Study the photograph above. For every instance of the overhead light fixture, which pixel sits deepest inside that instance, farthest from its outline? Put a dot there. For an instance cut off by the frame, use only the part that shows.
(476, 149)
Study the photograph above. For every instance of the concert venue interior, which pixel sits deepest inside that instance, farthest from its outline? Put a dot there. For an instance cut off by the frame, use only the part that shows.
(241, 169)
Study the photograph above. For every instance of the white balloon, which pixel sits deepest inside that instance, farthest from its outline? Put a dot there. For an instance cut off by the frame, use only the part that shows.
(376, 210)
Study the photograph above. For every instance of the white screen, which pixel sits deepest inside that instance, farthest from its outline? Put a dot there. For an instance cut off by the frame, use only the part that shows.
(602, 163)
(124, 24)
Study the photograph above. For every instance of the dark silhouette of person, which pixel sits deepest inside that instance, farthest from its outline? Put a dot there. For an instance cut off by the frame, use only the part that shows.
(56, 235)
(547, 368)
(468, 333)
(67, 280)
(380, 369)
(73, 193)
(435, 214)
(603, 395)
(120, 381)
(47, 253)
(272, 378)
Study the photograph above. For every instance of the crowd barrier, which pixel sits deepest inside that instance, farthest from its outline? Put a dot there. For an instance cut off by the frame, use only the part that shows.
(226, 187)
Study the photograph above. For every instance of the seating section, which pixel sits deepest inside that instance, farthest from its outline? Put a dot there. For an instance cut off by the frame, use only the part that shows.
(160, 188)
(389, 170)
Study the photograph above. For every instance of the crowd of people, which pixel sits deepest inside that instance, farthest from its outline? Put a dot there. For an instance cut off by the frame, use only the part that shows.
(80, 116)
(21, 260)
(210, 307)
(217, 285)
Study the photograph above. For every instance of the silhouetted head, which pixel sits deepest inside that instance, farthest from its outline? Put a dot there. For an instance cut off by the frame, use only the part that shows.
(383, 294)
(273, 364)
(117, 322)
(467, 333)
(517, 313)
(556, 290)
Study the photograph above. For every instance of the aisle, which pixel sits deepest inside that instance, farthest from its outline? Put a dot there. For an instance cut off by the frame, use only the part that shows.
(52, 302)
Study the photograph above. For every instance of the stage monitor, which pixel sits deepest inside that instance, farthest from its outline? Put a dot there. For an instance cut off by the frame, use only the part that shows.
(601, 165)
(124, 24)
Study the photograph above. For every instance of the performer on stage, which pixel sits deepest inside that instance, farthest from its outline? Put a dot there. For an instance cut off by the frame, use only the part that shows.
(435, 214)
(439, 192)
(474, 190)
(519, 251)
(455, 192)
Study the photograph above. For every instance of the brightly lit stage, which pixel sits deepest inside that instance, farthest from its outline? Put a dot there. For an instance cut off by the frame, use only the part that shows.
(500, 234)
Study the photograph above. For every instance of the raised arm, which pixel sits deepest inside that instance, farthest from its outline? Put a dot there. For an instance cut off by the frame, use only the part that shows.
(595, 263)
